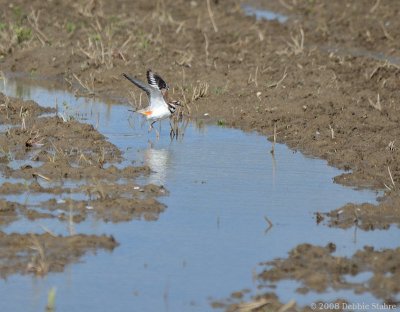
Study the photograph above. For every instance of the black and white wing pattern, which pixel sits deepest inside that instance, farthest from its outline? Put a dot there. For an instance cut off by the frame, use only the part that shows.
(152, 93)
(156, 81)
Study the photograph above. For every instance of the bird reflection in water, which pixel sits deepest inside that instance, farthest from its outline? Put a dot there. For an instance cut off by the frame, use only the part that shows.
(158, 161)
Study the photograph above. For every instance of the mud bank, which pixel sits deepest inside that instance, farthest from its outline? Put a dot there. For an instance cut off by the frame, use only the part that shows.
(40, 254)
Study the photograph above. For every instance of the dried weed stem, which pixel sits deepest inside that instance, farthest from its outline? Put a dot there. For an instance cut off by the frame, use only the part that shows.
(211, 14)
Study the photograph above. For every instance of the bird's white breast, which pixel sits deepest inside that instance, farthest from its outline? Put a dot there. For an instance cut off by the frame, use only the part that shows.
(159, 109)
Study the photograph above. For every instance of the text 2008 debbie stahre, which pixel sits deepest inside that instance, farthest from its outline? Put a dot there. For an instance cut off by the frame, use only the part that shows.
(354, 306)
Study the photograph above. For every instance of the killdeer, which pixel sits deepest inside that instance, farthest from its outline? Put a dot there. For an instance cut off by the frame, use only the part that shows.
(160, 107)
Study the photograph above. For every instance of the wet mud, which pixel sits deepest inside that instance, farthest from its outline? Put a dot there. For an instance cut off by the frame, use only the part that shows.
(366, 216)
(317, 270)
(40, 254)
(327, 79)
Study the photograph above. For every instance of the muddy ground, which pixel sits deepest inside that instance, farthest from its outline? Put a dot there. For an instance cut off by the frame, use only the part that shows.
(328, 78)
(42, 253)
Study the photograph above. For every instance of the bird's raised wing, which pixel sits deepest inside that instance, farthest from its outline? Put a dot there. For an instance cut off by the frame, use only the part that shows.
(156, 81)
(139, 84)
(154, 94)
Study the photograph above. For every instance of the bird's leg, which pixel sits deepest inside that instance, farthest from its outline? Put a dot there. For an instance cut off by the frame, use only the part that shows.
(157, 132)
(151, 126)
(171, 132)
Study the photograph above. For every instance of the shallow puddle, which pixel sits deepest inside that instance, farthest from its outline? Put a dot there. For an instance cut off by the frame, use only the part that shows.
(360, 52)
(263, 14)
(223, 184)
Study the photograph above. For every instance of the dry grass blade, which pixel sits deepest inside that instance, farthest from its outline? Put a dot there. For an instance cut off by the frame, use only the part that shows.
(34, 140)
(185, 58)
(210, 13)
(178, 126)
(376, 5)
(391, 178)
(96, 189)
(23, 123)
(385, 32)
(297, 44)
(288, 306)
(47, 230)
(122, 50)
(255, 77)
(89, 88)
(274, 142)
(38, 263)
(82, 157)
(206, 47)
(161, 13)
(6, 103)
(253, 305)
(102, 48)
(33, 19)
(377, 105)
(180, 27)
(277, 83)
(185, 102)
(251, 79)
(200, 90)
(71, 226)
(270, 224)
(98, 54)
(332, 132)
(102, 157)
(90, 8)
(284, 4)
(38, 175)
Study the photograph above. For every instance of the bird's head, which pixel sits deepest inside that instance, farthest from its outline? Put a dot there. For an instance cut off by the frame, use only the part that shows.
(172, 106)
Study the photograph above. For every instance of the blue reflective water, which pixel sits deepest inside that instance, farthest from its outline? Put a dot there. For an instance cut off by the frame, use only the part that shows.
(209, 241)
(360, 52)
(263, 14)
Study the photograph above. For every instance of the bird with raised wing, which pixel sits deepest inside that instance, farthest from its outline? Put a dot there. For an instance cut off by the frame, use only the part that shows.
(160, 107)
